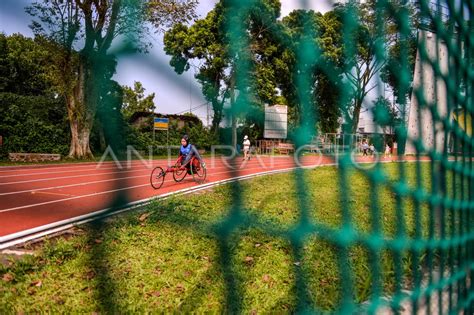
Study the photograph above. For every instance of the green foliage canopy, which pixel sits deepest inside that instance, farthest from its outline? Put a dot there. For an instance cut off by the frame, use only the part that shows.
(32, 116)
(134, 100)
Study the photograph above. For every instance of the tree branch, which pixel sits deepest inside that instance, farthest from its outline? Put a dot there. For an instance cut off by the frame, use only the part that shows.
(112, 25)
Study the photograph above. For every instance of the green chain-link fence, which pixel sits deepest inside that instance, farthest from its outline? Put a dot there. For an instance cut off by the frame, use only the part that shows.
(435, 123)
(423, 50)
(332, 64)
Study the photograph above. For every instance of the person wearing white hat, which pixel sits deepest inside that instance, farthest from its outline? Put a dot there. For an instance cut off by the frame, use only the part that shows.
(246, 144)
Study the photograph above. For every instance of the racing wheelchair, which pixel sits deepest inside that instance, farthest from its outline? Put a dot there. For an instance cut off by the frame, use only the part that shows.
(193, 168)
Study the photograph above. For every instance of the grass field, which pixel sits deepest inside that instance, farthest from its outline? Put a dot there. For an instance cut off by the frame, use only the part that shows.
(199, 252)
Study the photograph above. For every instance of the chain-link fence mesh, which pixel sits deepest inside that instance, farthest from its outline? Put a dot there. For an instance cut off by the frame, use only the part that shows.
(421, 52)
(424, 51)
(435, 122)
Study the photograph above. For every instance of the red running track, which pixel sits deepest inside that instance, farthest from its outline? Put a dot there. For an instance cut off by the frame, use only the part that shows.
(32, 197)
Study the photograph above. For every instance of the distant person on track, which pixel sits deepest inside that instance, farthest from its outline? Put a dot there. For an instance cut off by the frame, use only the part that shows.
(246, 145)
(388, 151)
(372, 149)
(365, 148)
(187, 151)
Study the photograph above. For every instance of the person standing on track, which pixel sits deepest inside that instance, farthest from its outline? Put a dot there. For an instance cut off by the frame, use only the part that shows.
(365, 148)
(388, 151)
(187, 151)
(246, 144)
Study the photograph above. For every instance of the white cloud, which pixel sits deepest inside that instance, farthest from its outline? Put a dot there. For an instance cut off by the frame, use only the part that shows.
(317, 5)
(286, 6)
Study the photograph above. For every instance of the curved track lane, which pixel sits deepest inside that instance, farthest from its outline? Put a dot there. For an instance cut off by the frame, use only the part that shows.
(37, 198)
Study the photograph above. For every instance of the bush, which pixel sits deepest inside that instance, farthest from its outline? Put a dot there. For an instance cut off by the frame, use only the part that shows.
(34, 124)
(142, 138)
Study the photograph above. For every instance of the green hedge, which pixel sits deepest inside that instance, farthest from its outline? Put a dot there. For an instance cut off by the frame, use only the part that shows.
(200, 136)
(35, 124)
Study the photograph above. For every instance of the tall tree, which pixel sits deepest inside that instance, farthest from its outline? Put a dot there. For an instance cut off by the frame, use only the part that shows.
(82, 32)
(204, 42)
(213, 42)
(255, 39)
(402, 52)
(134, 100)
(23, 66)
(370, 31)
(300, 62)
(32, 116)
(394, 66)
(361, 35)
(322, 32)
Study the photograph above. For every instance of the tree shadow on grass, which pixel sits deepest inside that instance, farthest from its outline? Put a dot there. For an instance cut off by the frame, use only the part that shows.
(227, 238)
(98, 261)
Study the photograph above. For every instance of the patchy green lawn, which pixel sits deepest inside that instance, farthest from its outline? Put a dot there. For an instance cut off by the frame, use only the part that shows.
(199, 253)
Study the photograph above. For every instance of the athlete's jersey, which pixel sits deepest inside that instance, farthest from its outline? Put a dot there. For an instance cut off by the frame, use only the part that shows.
(184, 150)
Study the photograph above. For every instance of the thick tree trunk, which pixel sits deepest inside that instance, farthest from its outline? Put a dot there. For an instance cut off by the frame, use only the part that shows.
(81, 112)
(80, 134)
(81, 127)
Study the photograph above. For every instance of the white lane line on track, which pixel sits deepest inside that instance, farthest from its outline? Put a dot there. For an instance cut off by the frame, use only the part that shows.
(73, 167)
(106, 192)
(65, 177)
(66, 166)
(71, 198)
(72, 185)
(108, 180)
(49, 169)
(85, 175)
(50, 193)
(4, 169)
(70, 171)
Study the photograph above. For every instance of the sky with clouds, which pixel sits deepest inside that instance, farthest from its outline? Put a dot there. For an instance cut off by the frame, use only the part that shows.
(173, 93)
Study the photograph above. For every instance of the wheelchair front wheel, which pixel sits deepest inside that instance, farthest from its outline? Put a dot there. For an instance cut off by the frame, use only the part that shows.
(157, 177)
